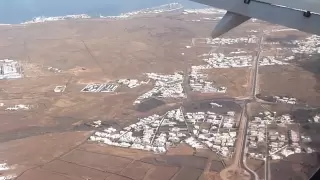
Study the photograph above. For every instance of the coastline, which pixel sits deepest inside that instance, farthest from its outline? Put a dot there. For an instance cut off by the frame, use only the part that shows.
(171, 7)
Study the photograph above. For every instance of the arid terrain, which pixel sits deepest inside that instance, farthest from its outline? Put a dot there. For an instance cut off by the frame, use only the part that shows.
(44, 133)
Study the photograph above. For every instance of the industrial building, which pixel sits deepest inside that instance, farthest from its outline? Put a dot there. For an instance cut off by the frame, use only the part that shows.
(92, 88)
(110, 87)
(10, 69)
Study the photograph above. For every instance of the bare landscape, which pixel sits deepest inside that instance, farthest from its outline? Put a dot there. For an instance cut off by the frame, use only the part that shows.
(151, 97)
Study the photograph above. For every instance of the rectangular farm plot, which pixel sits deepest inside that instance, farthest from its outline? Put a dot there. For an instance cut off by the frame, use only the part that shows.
(136, 170)
(43, 174)
(74, 170)
(186, 173)
(102, 162)
(117, 177)
(162, 173)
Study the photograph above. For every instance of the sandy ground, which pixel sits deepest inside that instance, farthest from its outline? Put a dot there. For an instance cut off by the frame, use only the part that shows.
(47, 141)
(30, 153)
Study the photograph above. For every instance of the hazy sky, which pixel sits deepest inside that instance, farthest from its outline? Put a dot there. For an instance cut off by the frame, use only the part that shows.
(17, 11)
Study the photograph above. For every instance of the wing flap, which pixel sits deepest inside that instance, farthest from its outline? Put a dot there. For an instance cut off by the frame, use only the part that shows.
(292, 18)
(308, 5)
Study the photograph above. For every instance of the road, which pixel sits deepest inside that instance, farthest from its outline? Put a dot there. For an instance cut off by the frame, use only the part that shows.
(239, 158)
(254, 82)
(267, 175)
(244, 147)
(255, 66)
(235, 169)
(241, 139)
(266, 163)
(240, 154)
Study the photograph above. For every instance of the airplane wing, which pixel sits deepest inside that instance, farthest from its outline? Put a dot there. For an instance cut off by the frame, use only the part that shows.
(303, 15)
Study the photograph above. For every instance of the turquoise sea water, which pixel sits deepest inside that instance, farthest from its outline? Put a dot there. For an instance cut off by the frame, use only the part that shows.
(18, 11)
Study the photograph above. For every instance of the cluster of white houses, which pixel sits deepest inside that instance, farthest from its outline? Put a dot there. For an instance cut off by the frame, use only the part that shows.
(279, 144)
(308, 46)
(251, 39)
(270, 60)
(4, 170)
(315, 119)
(55, 70)
(132, 83)
(157, 133)
(219, 60)
(284, 99)
(216, 131)
(204, 11)
(166, 86)
(198, 82)
(18, 107)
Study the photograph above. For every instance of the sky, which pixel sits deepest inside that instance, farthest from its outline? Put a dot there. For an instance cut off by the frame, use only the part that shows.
(17, 11)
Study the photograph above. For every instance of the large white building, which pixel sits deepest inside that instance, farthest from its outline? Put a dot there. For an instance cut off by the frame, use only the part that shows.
(10, 69)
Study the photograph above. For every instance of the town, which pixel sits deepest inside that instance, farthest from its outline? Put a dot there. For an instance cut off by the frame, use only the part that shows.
(280, 142)
(198, 82)
(251, 39)
(157, 133)
(308, 46)
(166, 86)
(171, 86)
(170, 103)
(221, 61)
(270, 60)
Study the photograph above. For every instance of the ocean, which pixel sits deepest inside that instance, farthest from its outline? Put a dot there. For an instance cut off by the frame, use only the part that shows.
(19, 11)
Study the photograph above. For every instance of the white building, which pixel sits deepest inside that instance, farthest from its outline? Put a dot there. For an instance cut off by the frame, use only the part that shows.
(10, 69)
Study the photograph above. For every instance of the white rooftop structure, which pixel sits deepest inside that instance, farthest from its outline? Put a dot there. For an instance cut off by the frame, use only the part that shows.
(219, 60)
(270, 60)
(59, 88)
(166, 86)
(18, 107)
(178, 127)
(10, 69)
(308, 46)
